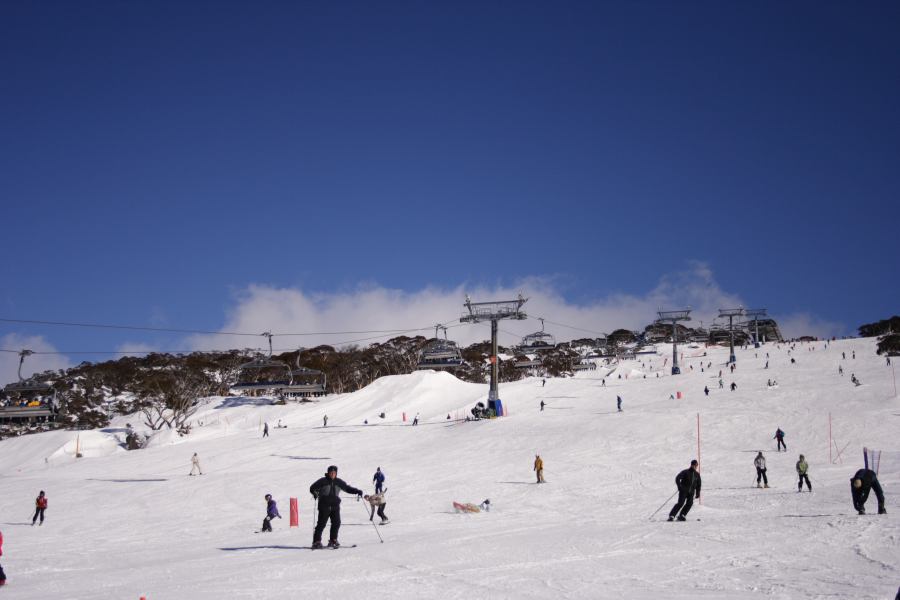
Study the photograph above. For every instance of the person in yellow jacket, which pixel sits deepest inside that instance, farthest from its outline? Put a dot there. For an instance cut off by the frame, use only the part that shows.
(539, 468)
(802, 469)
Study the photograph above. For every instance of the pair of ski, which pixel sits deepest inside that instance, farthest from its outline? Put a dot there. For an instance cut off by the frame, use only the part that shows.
(331, 547)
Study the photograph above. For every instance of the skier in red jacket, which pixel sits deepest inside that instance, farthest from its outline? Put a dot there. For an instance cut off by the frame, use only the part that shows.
(40, 505)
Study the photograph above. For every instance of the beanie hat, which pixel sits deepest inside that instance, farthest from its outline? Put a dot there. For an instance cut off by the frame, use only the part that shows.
(694, 463)
(332, 468)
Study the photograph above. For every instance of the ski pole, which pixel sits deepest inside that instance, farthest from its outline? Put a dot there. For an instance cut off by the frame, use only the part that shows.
(378, 533)
(661, 505)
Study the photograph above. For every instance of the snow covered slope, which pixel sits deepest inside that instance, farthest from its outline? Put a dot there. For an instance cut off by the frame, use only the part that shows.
(130, 524)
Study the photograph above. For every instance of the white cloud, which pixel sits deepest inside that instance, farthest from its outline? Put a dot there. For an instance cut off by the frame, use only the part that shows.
(800, 324)
(370, 307)
(35, 363)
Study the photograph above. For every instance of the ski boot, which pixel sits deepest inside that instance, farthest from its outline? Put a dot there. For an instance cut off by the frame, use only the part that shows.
(334, 544)
(766, 486)
(317, 546)
(681, 518)
(671, 518)
(759, 485)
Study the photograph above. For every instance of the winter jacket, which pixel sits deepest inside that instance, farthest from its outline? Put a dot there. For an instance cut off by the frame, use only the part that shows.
(377, 499)
(760, 462)
(538, 464)
(378, 478)
(41, 502)
(802, 467)
(779, 435)
(1, 543)
(272, 509)
(688, 481)
(327, 490)
(869, 482)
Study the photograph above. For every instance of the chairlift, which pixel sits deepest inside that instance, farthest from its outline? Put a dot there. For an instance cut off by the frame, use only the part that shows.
(537, 341)
(440, 353)
(26, 397)
(306, 382)
(584, 364)
(263, 373)
(26, 385)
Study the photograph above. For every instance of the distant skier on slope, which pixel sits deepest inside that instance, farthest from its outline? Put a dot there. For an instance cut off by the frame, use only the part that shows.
(271, 513)
(854, 380)
(326, 491)
(802, 469)
(542, 405)
(706, 390)
(779, 435)
(619, 403)
(863, 481)
(378, 480)
(539, 468)
(2, 574)
(195, 464)
(760, 463)
(688, 483)
(40, 505)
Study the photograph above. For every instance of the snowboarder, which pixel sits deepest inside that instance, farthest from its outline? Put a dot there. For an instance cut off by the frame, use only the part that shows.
(539, 468)
(688, 482)
(854, 380)
(325, 421)
(378, 480)
(733, 386)
(195, 464)
(706, 390)
(2, 574)
(542, 406)
(40, 505)
(326, 491)
(760, 463)
(265, 430)
(271, 513)
(779, 435)
(802, 468)
(379, 501)
(862, 482)
(619, 403)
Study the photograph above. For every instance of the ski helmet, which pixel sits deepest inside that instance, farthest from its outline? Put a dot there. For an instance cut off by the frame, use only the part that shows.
(332, 468)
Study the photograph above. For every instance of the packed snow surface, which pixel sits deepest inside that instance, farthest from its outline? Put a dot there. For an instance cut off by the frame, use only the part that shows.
(129, 524)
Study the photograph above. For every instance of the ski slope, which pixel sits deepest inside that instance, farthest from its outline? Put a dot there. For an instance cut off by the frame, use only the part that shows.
(129, 524)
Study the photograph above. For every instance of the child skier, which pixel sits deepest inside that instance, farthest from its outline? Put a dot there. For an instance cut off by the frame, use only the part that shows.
(760, 463)
(802, 468)
(271, 513)
(40, 505)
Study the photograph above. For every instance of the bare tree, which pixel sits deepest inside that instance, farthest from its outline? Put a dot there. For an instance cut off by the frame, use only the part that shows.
(169, 397)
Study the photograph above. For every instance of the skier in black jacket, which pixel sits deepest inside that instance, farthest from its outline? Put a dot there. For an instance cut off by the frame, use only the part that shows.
(688, 482)
(326, 491)
(862, 482)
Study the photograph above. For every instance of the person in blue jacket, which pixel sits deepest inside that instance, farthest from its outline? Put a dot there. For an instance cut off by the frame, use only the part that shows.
(271, 513)
(378, 479)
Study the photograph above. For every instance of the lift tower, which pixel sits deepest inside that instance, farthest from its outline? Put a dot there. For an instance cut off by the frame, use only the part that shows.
(674, 316)
(493, 312)
(731, 313)
(755, 314)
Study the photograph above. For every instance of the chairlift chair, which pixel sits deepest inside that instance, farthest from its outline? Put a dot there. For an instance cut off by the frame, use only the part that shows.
(306, 382)
(537, 341)
(440, 353)
(263, 373)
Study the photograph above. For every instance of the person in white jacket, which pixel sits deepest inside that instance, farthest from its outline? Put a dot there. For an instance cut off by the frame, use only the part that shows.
(760, 463)
(195, 465)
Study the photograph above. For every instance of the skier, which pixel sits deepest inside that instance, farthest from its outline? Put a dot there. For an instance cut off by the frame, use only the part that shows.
(854, 380)
(416, 419)
(840, 370)
(195, 464)
(862, 482)
(688, 482)
(539, 468)
(543, 382)
(767, 365)
(271, 513)
(265, 430)
(706, 390)
(603, 382)
(2, 574)
(542, 406)
(378, 479)
(721, 384)
(760, 463)
(733, 386)
(802, 468)
(854, 355)
(619, 403)
(326, 490)
(40, 505)
(779, 435)
(325, 421)
(379, 501)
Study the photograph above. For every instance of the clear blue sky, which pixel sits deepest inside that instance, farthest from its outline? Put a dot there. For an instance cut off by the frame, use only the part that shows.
(158, 156)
